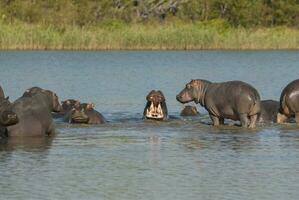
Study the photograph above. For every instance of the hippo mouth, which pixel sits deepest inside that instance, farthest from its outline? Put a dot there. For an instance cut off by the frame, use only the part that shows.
(79, 120)
(154, 111)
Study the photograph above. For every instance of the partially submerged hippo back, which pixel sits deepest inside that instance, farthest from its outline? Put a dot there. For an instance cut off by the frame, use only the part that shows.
(34, 112)
(156, 106)
(269, 111)
(289, 102)
(234, 100)
(189, 111)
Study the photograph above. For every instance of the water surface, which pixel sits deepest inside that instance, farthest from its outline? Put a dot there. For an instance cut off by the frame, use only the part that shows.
(128, 158)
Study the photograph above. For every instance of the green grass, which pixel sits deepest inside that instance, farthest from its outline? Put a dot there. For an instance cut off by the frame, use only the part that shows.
(172, 36)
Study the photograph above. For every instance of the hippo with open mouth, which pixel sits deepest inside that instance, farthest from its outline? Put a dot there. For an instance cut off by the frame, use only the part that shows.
(156, 106)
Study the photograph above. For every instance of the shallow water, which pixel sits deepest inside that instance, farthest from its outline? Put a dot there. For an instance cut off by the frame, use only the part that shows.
(128, 158)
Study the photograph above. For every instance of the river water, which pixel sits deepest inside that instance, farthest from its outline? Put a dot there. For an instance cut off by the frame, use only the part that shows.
(128, 158)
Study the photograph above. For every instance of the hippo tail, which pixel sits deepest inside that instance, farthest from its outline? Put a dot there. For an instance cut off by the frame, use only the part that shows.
(283, 108)
(256, 106)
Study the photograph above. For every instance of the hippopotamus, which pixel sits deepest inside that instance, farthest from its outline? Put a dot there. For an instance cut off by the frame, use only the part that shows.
(234, 100)
(1, 93)
(66, 106)
(289, 102)
(7, 117)
(155, 107)
(34, 112)
(189, 111)
(84, 113)
(269, 111)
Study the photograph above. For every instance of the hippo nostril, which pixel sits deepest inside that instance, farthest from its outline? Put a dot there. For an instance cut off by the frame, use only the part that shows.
(11, 116)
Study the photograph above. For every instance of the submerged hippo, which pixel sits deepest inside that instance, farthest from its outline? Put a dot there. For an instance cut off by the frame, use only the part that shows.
(269, 111)
(189, 111)
(66, 106)
(84, 114)
(156, 106)
(234, 100)
(289, 102)
(7, 117)
(34, 112)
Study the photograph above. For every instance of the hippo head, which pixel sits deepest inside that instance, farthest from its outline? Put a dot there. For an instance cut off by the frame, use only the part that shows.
(7, 116)
(51, 97)
(78, 114)
(68, 105)
(156, 105)
(189, 111)
(193, 91)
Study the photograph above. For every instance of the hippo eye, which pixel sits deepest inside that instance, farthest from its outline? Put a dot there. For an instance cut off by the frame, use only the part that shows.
(188, 86)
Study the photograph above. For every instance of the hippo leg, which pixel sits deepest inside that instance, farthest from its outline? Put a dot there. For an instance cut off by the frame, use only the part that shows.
(244, 120)
(221, 121)
(51, 130)
(281, 118)
(253, 119)
(215, 120)
(297, 118)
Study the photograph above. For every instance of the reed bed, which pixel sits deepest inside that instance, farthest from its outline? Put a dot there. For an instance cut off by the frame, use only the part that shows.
(176, 36)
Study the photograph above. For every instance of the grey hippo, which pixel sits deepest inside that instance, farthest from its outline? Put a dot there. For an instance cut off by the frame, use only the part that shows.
(289, 102)
(189, 111)
(66, 105)
(34, 112)
(234, 100)
(7, 117)
(155, 107)
(269, 111)
(84, 113)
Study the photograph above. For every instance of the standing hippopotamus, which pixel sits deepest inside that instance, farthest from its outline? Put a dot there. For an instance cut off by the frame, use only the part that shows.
(234, 100)
(34, 112)
(189, 111)
(289, 102)
(269, 111)
(156, 106)
(84, 114)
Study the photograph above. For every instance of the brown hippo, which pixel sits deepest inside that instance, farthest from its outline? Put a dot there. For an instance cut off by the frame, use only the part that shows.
(34, 112)
(234, 100)
(67, 106)
(84, 113)
(269, 111)
(189, 111)
(289, 102)
(155, 107)
(7, 117)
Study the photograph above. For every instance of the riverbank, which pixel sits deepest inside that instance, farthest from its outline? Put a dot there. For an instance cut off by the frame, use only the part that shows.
(119, 36)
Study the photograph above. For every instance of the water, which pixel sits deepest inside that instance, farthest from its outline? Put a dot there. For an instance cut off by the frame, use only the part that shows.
(183, 158)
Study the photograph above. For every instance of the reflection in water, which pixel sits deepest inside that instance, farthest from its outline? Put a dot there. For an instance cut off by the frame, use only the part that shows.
(30, 144)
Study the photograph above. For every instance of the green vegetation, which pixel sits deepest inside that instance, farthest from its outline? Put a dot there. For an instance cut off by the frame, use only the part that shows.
(149, 24)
